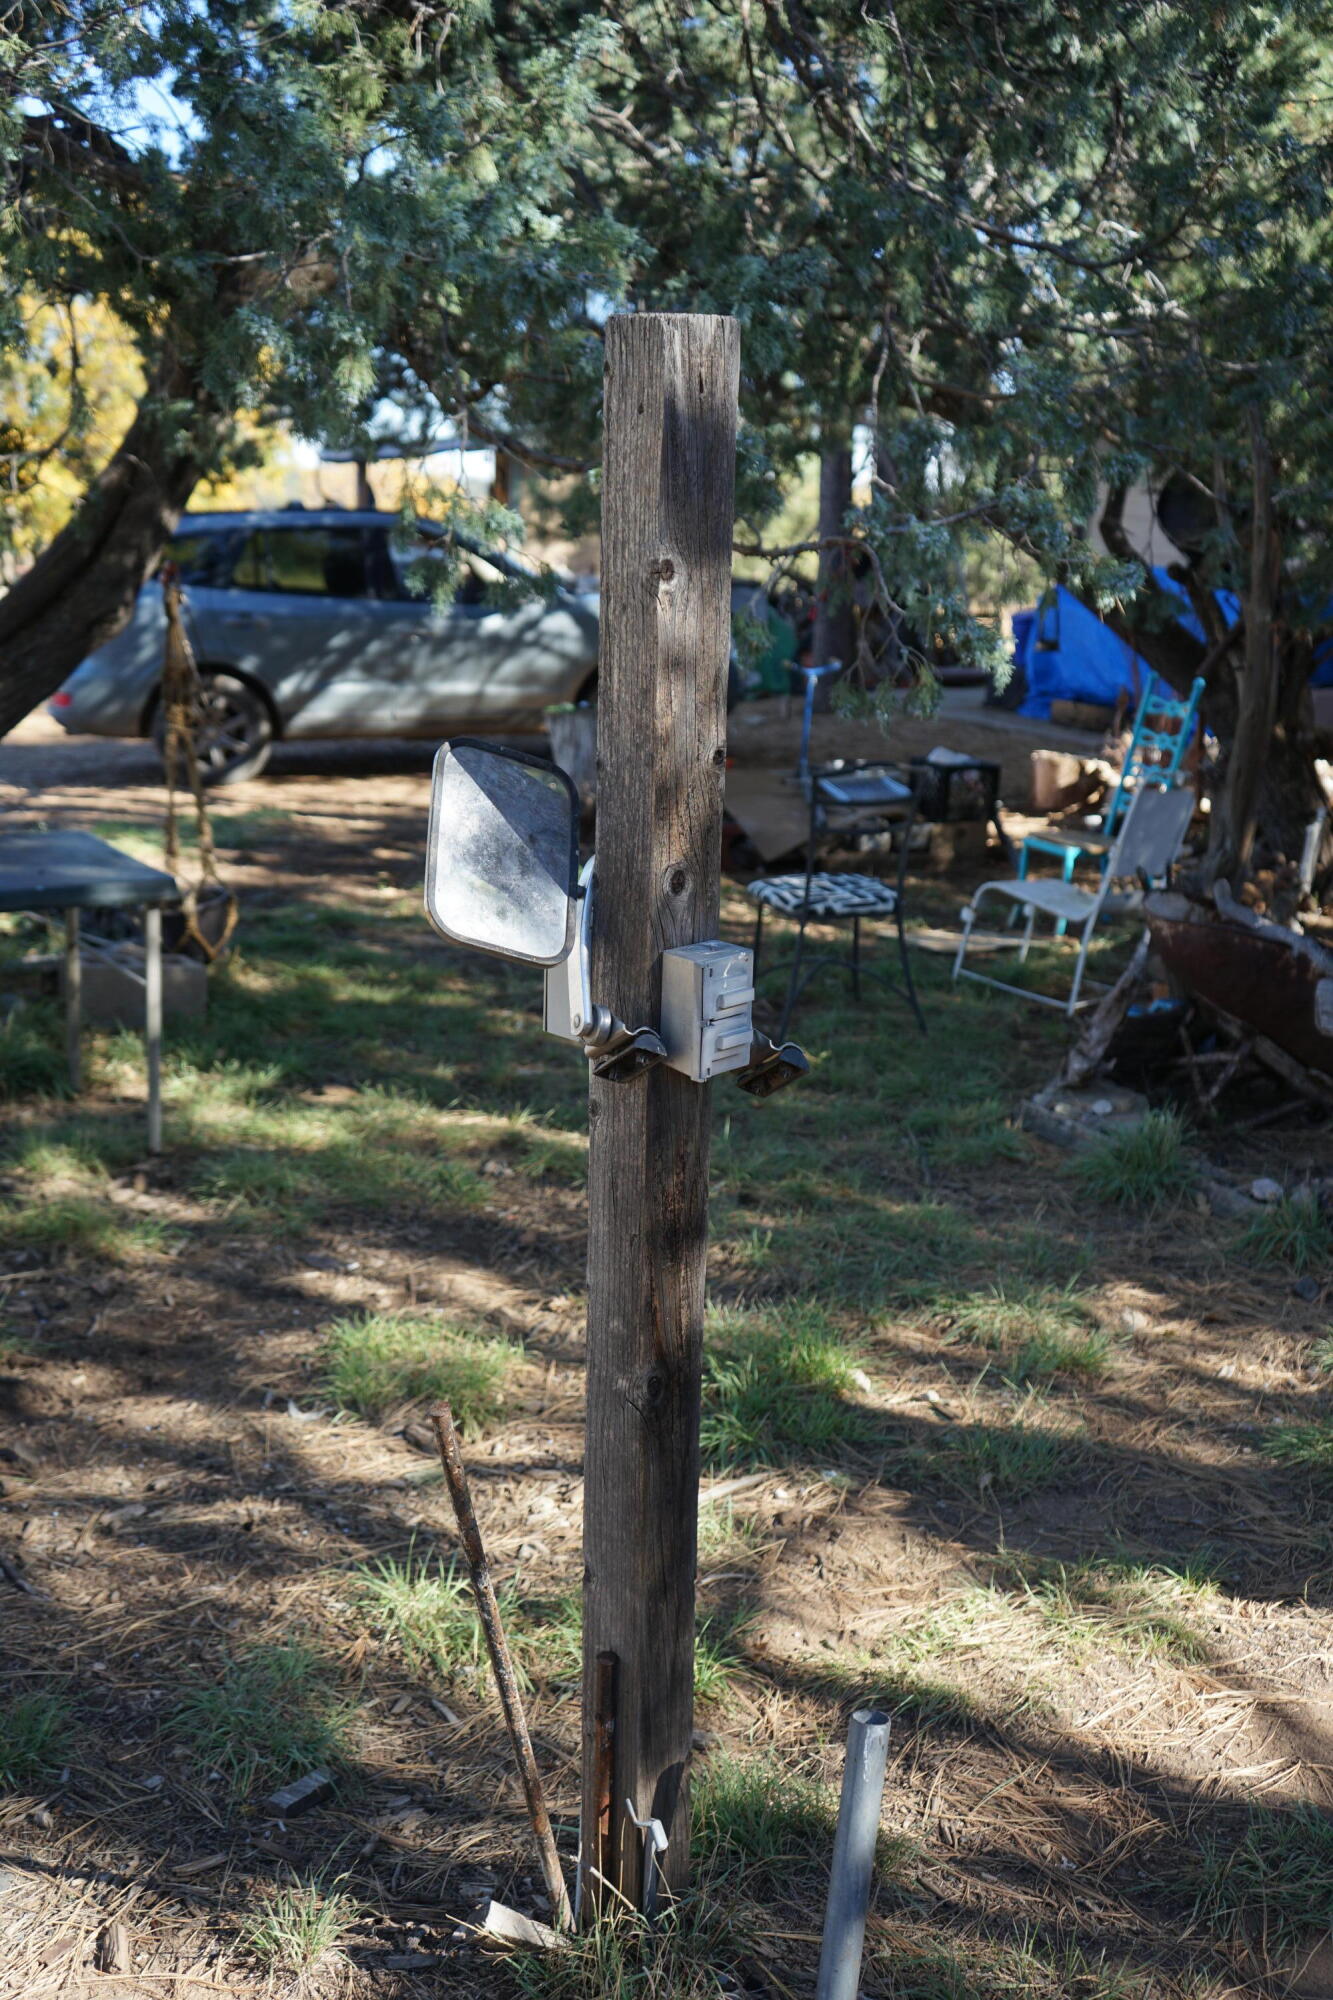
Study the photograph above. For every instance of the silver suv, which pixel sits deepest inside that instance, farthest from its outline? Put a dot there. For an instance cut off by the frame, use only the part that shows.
(304, 625)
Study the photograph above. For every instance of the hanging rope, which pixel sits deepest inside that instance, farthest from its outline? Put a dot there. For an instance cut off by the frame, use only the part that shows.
(182, 709)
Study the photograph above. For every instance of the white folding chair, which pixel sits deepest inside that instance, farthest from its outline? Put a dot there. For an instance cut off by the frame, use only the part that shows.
(1150, 837)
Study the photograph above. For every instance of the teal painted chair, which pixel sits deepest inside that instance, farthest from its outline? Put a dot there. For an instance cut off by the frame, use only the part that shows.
(1163, 729)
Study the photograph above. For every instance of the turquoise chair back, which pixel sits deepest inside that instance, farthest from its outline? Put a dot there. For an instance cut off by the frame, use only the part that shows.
(1163, 727)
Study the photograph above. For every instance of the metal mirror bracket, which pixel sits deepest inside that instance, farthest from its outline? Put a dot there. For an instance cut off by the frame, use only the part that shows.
(772, 1067)
(615, 1051)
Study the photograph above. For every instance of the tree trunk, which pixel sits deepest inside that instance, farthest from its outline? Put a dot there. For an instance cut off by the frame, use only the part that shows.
(1236, 806)
(81, 591)
(1258, 709)
(1290, 794)
(835, 614)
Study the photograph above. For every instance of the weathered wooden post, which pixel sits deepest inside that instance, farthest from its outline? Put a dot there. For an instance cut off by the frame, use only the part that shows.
(667, 524)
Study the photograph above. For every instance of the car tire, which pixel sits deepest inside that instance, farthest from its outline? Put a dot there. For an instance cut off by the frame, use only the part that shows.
(234, 740)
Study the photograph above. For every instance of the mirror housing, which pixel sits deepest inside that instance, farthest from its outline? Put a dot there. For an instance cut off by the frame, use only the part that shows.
(502, 852)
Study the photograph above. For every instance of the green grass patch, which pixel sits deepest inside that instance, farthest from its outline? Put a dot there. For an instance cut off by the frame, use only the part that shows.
(777, 1387)
(1141, 1609)
(1294, 1231)
(35, 1731)
(1039, 1332)
(425, 1610)
(32, 1053)
(1146, 1168)
(756, 1816)
(379, 1363)
(297, 1926)
(680, 1958)
(80, 1226)
(1006, 1457)
(280, 1159)
(275, 1713)
(1272, 1885)
(1306, 1448)
(726, 1539)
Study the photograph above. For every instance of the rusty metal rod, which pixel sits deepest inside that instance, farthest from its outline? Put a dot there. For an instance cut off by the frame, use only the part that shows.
(605, 1692)
(455, 1473)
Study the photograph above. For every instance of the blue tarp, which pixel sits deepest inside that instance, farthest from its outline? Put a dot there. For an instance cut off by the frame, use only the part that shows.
(1067, 654)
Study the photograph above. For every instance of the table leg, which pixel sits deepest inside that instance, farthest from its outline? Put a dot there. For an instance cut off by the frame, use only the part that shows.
(152, 937)
(73, 1000)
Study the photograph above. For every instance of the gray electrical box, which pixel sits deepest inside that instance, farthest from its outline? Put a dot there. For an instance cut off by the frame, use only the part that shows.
(707, 998)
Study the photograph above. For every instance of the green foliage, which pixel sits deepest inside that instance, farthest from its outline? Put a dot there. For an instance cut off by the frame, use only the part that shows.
(1144, 1168)
(777, 1387)
(1272, 1885)
(32, 1058)
(82, 1226)
(275, 1713)
(379, 1363)
(774, 1824)
(1294, 1231)
(406, 177)
(1012, 1460)
(296, 1926)
(443, 211)
(35, 1730)
(1038, 1331)
(756, 1812)
(1305, 1448)
(1140, 1608)
(426, 1611)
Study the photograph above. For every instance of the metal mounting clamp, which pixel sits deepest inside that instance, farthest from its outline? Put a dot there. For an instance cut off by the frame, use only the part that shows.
(772, 1067)
(615, 1051)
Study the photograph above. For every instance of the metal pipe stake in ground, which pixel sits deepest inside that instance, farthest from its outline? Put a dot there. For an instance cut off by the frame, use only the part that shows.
(451, 1458)
(853, 1855)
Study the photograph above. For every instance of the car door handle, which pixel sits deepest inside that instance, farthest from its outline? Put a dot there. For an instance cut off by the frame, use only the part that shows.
(251, 619)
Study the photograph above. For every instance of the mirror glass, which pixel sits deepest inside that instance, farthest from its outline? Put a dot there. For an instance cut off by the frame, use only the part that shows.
(502, 864)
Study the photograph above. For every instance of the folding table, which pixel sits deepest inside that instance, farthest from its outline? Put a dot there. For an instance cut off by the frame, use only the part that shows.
(76, 871)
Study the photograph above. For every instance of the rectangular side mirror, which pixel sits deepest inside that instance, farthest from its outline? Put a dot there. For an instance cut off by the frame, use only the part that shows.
(502, 854)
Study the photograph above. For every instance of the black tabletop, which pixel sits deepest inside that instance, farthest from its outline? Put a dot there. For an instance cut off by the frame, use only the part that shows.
(66, 871)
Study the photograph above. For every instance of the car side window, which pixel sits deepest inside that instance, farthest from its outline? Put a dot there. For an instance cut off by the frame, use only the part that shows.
(318, 562)
(201, 556)
(475, 577)
(250, 571)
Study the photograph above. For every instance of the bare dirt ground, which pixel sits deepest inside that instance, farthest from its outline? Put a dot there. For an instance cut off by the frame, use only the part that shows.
(1038, 1511)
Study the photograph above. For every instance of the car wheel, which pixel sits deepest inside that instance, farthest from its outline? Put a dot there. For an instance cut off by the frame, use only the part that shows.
(234, 738)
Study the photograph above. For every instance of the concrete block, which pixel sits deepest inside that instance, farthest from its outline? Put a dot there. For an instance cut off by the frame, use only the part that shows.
(112, 988)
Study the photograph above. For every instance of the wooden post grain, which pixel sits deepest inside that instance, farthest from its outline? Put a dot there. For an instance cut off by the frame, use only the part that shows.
(667, 525)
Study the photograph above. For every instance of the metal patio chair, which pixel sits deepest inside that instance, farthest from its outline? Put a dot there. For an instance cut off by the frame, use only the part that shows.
(1150, 837)
(1163, 730)
(843, 798)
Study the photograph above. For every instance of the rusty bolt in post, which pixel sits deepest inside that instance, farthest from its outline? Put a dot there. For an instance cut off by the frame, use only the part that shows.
(455, 1473)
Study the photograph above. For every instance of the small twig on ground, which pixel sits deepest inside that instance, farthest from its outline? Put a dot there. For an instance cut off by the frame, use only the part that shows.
(19, 1581)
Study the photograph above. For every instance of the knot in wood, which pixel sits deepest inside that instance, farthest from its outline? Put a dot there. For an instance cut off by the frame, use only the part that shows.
(664, 570)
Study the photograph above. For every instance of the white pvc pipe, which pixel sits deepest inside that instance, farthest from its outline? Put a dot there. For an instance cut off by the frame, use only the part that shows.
(853, 1855)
